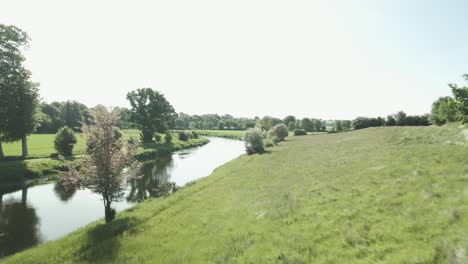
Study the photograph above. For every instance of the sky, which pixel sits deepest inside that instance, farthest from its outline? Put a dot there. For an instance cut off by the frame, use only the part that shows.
(322, 59)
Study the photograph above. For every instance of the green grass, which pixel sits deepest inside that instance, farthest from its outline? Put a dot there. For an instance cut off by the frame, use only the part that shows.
(378, 195)
(233, 134)
(42, 145)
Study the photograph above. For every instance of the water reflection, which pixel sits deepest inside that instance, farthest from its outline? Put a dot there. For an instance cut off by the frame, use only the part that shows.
(151, 179)
(63, 193)
(19, 225)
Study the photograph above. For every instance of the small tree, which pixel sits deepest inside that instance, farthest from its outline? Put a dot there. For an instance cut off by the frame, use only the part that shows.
(280, 131)
(168, 137)
(253, 141)
(65, 140)
(100, 169)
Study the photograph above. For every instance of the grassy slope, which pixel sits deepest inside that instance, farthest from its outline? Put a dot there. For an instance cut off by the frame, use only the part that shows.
(388, 195)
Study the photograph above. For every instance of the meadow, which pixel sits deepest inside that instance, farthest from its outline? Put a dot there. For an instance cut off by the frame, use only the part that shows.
(377, 195)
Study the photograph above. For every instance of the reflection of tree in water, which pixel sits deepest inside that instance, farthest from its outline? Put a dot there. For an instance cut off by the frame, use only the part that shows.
(18, 225)
(151, 179)
(64, 193)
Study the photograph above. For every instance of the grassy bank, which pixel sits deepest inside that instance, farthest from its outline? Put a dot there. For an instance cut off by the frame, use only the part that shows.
(378, 195)
(232, 134)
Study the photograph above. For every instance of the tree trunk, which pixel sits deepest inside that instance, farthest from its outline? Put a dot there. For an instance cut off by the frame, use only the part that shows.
(24, 195)
(109, 213)
(1, 203)
(24, 146)
(2, 155)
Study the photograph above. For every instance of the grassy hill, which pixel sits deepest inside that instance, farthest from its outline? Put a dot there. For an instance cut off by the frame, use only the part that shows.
(379, 195)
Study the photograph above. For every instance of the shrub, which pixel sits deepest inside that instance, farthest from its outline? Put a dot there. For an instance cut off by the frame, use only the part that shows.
(184, 136)
(280, 131)
(253, 141)
(157, 137)
(300, 132)
(168, 137)
(194, 134)
(65, 140)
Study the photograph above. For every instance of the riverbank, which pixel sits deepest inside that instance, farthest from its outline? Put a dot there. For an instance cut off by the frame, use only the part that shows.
(14, 172)
(390, 195)
(231, 134)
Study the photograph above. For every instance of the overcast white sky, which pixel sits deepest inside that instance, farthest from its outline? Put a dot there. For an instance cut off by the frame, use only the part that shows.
(326, 59)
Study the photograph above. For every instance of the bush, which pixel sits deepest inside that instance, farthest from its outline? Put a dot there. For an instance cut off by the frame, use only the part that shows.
(157, 137)
(280, 131)
(65, 140)
(184, 136)
(194, 134)
(168, 137)
(300, 132)
(253, 141)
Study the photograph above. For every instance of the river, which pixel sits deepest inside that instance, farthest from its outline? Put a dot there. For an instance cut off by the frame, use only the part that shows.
(45, 212)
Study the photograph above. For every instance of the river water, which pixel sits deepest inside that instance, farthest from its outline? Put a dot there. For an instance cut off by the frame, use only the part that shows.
(45, 212)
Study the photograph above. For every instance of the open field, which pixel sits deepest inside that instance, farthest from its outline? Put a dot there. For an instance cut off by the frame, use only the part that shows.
(378, 195)
(42, 145)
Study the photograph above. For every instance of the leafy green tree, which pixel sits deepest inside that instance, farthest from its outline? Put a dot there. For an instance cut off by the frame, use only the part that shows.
(306, 124)
(253, 141)
(317, 125)
(460, 94)
(64, 141)
(400, 118)
(291, 126)
(150, 112)
(280, 131)
(444, 110)
(101, 168)
(338, 125)
(287, 120)
(390, 121)
(18, 95)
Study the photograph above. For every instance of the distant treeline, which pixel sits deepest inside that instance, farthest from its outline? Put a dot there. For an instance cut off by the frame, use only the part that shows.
(228, 122)
(398, 119)
(53, 116)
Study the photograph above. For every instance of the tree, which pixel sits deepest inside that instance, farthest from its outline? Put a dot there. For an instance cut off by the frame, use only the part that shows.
(306, 124)
(64, 141)
(150, 112)
(288, 119)
(460, 94)
(253, 141)
(18, 95)
(280, 131)
(444, 110)
(107, 154)
(338, 125)
(400, 118)
(292, 126)
(317, 125)
(390, 121)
